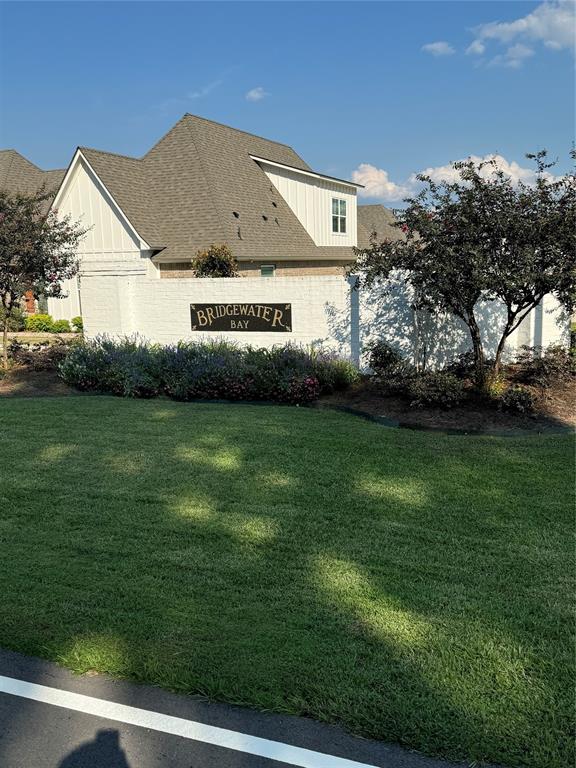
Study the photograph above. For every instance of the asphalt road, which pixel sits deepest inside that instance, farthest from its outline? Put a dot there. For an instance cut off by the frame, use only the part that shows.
(174, 731)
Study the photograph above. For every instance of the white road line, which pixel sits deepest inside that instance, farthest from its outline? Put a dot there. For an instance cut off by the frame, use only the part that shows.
(178, 726)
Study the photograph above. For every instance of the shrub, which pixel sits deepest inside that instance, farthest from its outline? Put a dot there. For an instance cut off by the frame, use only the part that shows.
(206, 370)
(518, 399)
(85, 367)
(39, 323)
(382, 357)
(464, 367)
(546, 367)
(16, 319)
(128, 368)
(77, 324)
(435, 389)
(61, 326)
(337, 376)
(296, 389)
(215, 261)
(392, 373)
(495, 386)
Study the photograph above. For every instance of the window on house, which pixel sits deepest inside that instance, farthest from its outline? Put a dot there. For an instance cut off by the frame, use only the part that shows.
(267, 270)
(338, 215)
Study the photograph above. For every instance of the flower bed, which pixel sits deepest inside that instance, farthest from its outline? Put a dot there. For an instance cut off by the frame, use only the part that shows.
(208, 370)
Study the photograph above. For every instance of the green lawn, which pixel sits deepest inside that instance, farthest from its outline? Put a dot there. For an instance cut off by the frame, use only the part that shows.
(414, 587)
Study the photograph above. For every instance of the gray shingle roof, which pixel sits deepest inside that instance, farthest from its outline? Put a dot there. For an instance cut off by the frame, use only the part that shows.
(198, 185)
(376, 218)
(184, 194)
(17, 174)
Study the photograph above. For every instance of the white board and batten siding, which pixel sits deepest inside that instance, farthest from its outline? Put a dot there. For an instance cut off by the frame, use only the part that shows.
(310, 199)
(110, 247)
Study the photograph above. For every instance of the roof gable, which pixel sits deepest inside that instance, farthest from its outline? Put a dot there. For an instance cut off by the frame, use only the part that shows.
(19, 175)
(125, 179)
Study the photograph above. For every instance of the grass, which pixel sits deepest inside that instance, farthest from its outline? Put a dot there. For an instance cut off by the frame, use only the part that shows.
(411, 586)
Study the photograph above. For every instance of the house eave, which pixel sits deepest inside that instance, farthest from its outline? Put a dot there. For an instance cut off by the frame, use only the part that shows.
(301, 171)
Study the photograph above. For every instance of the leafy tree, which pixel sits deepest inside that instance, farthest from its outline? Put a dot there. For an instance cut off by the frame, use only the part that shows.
(215, 261)
(481, 237)
(37, 252)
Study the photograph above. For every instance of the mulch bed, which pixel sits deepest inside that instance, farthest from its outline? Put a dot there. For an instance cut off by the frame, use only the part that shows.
(22, 381)
(556, 411)
(556, 408)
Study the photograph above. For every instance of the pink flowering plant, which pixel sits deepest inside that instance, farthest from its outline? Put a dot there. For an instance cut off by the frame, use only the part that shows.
(38, 251)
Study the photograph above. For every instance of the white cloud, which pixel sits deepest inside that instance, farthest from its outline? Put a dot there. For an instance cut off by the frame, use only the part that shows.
(512, 169)
(256, 94)
(514, 56)
(440, 48)
(551, 23)
(378, 185)
(205, 90)
(476, 48)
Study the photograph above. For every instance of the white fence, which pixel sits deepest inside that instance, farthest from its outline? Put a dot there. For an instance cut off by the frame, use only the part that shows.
(326, 310)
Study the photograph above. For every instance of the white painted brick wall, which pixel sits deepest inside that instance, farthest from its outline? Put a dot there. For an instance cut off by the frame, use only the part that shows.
(159, 310)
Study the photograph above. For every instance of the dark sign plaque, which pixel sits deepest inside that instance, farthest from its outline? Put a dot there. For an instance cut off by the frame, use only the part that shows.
(276, 318)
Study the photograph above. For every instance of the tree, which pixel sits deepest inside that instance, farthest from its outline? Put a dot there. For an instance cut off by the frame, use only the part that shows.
(482, 237)
(37, 252)
(215, 261)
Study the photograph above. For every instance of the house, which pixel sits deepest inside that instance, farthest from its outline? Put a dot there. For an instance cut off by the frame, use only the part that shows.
(205, 183)
(292, 230)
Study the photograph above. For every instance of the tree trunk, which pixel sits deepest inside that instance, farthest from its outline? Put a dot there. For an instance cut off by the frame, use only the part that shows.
(5, 344)
(500, 349)
(515, 317)
(7, 306)
(479, 360)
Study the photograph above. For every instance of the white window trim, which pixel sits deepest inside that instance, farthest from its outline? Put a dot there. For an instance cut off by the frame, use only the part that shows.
(339, 216)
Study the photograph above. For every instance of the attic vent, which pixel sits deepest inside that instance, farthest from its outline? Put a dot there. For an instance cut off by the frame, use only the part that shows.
(265, 217)
(236, 214)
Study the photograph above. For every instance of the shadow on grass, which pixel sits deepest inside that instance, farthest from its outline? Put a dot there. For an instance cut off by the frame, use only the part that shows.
(411, 587)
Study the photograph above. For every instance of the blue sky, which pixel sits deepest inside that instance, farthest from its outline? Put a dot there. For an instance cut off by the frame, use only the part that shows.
(381, 90)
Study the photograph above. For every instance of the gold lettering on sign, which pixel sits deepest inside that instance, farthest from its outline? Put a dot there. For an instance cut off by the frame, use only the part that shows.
(241, 317)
